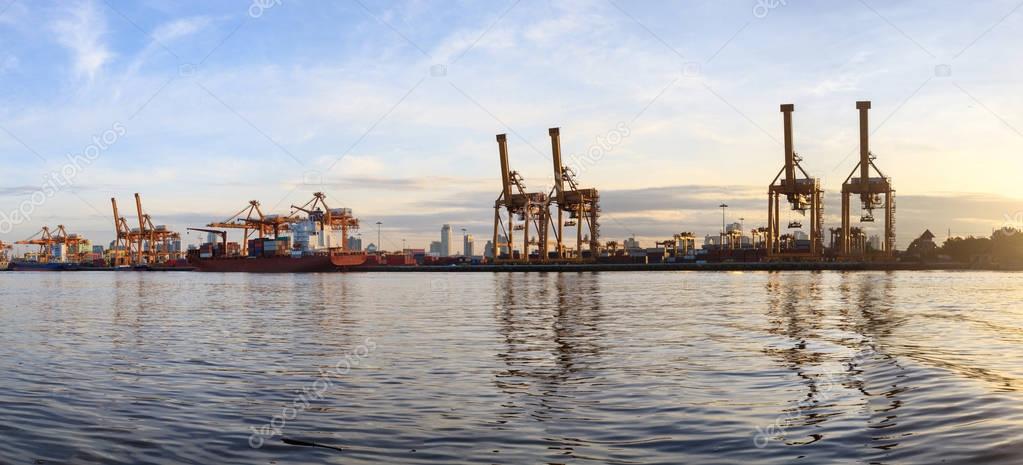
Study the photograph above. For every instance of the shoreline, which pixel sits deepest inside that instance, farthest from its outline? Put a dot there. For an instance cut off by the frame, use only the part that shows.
(615, 267)
(734, 266)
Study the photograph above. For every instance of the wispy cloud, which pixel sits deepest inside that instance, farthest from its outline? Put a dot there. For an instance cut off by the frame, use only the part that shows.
(82, 31)
(179, 28)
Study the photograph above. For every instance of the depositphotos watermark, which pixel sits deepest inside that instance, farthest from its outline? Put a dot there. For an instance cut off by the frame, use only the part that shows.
(315, 391)
(825, 391)
(602, 146)
(1013, 220)
(762, 8)
(55, 181)
(258, 7)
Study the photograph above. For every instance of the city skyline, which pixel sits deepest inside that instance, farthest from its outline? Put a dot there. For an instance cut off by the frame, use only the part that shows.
(203, 107)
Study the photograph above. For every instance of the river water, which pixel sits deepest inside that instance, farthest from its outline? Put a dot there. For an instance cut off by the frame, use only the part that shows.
(458, 368)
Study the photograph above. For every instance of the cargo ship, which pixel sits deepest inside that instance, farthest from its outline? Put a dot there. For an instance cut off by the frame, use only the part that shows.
(29, 265)
(287, 244)
(277, 264)
(274, 256)
(343, 260)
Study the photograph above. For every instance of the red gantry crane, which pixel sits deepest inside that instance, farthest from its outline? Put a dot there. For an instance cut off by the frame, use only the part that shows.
(870, 190)
(527, 212)
(803, 193)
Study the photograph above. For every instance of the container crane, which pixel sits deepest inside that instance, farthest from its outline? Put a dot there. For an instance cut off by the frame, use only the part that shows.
(804, 194)
(334, 219)
(5, 255)
(72, 244)
(527, 212)
(253, 221)
(45, 240)
(870, 190)
(581, 204)
(125, 240)
(148, 244)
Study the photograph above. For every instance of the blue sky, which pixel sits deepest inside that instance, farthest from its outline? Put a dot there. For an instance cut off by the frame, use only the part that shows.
(391, 107)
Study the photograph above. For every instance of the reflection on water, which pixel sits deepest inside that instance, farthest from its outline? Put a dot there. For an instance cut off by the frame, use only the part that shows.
(666, 368)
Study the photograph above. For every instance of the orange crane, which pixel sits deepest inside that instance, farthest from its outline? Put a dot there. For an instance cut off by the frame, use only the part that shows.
(154, 241)
(334, 219)
(72, 243)
(125, 240)
(802, 193)
(530, 208)
(582, 206)
(148, 244)
(44, 239)
(5, 255)
(870, 190)
(253, 221)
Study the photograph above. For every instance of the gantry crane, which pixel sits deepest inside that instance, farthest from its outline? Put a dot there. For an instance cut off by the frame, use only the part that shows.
(125, 240)
(870, 190)
(254, 221)
(5, 255)
(329, 219)
(45, 240)
(72, 244)
(527, 211)
(148, 244)
(804, 194)
(582, 205)
(679, 245)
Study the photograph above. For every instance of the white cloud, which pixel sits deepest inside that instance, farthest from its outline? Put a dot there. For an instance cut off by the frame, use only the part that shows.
(81, 32)
(180, 28)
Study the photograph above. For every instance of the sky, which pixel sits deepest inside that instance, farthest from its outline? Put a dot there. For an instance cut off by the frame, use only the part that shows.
(391, 108)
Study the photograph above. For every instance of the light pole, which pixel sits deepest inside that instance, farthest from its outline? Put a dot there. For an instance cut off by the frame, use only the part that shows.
(723, 207)
(379, 223)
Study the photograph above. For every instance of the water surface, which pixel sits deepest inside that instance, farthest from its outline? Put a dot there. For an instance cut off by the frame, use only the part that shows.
(459, 368)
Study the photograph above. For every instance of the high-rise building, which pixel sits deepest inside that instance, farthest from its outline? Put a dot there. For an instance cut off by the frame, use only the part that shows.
(503, 239)
(631, 243)
(435, 248)
(445, 241)
(488, 249)
(355, 243)
(467, 245)
(874, 242)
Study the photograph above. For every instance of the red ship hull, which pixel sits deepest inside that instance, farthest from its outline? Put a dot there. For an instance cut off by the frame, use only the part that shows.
(345, 260)
(283, 264)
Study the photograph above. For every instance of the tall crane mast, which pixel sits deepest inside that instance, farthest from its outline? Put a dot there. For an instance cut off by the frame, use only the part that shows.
(802, 192)
(527, 212)
(870, 190)
(582, 206)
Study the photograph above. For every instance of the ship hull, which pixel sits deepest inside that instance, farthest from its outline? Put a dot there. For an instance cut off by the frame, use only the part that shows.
(306, 264)
(35, 266)
(343, 260)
